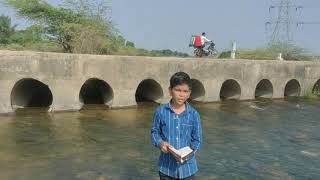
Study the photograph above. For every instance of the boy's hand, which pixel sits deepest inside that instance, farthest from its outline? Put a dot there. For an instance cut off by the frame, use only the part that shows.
(164, 146)
(178, 159)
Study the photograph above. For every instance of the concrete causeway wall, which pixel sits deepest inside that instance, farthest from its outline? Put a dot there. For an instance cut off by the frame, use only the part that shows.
(67, 81)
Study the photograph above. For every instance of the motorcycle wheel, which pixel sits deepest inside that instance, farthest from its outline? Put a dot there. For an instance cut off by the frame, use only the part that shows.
(198, 52)
(213, 53)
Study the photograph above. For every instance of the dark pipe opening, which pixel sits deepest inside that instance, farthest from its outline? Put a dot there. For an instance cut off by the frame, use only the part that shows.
(230, 90)
(264, 89)
(149, 91)
(292, 88)
(316, 88)
(198, 91)
(30, 93)
(96, 91)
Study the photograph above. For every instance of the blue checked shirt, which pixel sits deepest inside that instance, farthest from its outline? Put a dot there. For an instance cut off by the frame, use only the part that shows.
(179, 131)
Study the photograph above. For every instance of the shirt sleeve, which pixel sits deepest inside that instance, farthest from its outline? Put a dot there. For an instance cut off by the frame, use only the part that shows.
(196, 134)
(206, 39)
(155, 129)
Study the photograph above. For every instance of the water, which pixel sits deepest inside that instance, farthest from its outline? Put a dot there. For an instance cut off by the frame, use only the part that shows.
(242, 140)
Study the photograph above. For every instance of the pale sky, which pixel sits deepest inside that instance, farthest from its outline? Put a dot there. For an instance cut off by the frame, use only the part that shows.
(168, 24)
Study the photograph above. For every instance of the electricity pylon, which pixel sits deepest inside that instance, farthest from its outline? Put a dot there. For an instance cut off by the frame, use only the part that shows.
(283, 23)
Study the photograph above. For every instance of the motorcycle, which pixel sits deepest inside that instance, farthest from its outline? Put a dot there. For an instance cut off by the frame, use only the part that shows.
(210, 51)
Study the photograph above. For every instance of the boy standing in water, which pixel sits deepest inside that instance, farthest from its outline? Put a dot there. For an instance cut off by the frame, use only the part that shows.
(177, 124)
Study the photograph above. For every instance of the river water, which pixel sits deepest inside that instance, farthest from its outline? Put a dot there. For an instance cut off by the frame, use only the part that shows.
(278, 139)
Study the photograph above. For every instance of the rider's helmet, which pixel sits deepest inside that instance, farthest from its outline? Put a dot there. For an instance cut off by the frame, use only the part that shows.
(203, 34)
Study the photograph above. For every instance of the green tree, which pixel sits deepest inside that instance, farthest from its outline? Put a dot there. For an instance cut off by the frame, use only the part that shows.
(95, 26)
(30, 35)
(130, 44)
(65, 25)
(78, 26)
(52, 18)
(6, 29)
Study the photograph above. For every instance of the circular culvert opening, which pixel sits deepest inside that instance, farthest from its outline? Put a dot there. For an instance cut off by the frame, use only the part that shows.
(292, 88)
(96, 91)
(264, 89)
(230, 90)
(316, 88)
(149, 91)
(198, 92)
(30, 93)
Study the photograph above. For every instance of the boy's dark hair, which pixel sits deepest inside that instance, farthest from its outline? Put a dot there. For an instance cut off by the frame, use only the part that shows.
(180, 78)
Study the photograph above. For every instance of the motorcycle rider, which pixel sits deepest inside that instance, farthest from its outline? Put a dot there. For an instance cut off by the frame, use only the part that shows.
(204, 41)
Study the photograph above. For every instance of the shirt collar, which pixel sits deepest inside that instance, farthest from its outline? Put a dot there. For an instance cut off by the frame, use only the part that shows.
(188, 108)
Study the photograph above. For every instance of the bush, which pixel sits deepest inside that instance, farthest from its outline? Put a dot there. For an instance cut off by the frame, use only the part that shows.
(225, 55)
(49, 46)
(13, 47)
(289, 51)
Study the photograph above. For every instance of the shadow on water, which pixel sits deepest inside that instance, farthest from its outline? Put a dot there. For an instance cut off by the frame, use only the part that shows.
(94, 107)
(30, 111)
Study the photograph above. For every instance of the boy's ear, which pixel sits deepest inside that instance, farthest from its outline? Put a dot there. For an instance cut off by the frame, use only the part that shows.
(190, 91)
(189, 94)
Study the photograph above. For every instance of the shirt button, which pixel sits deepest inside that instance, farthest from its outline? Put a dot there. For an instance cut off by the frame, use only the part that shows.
(177, 138)
(177, 127)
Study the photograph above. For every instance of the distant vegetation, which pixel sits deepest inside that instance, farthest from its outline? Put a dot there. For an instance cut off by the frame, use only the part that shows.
(271, 52)
(78, 26)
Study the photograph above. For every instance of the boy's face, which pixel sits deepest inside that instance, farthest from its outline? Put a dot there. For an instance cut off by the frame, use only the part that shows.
(180, 93)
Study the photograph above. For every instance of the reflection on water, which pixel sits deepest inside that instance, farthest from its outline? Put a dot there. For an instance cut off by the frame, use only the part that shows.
(242, 140)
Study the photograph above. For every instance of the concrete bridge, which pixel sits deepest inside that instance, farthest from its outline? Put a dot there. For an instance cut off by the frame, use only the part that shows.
(68, 81)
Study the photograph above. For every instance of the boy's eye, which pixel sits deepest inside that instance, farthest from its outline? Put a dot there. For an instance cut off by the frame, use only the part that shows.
(180, 90)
